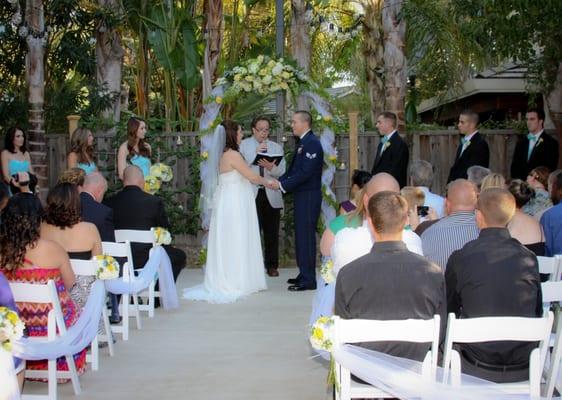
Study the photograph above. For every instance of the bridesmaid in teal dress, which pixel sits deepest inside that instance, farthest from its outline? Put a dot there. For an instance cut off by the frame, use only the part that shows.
(16, 158)
(82, 151)
(135, 150)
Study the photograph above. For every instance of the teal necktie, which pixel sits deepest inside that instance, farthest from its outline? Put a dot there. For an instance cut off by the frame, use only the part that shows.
(532, 141)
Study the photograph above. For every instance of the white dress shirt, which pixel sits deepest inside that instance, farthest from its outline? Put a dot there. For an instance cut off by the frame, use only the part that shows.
(352, 243)
(434, 201)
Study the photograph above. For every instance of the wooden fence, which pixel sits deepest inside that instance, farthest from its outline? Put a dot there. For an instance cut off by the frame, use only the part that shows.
(437, 147)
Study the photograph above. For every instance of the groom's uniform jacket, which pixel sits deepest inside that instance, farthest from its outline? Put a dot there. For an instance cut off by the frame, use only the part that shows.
(304, 180)
(248, 149)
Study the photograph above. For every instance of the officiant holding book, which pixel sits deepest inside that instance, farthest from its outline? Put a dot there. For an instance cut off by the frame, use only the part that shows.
(266, 158)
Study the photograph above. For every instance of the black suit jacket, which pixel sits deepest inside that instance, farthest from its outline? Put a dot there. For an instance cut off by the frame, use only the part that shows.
(394, 159)
(545, 153)
(98, 214)
(392, 283)
(135, 209)
(477, 153)
(494, 276)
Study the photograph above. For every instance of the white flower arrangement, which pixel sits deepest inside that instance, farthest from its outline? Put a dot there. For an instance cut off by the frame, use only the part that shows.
(262, 75)
(322, 334)
(162, 172)
(108, 267)
(327, 271)
(11, 328)
(162, 236)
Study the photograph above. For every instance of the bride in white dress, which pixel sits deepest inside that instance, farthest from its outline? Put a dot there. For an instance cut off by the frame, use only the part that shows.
(234, 256)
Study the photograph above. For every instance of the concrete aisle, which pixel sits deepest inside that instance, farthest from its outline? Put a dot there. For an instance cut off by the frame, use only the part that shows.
(255, 348)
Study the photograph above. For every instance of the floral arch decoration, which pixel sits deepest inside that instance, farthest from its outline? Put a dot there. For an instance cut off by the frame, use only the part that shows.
(266, 76)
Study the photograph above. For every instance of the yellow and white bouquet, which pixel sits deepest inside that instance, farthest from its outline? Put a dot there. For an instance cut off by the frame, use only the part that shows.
(151, 184)
(108, 267)
(327, 271)
(162, 172)
(322, 334)
(162, 236)
(11, 328)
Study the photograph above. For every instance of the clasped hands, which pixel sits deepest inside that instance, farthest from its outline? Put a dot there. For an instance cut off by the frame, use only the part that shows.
(272, 184)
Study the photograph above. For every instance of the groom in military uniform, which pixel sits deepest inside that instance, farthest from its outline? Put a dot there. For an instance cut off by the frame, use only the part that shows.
(303, 179)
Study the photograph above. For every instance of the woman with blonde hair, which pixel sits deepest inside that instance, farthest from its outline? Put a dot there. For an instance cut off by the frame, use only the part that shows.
(82, 151)
(135, 150)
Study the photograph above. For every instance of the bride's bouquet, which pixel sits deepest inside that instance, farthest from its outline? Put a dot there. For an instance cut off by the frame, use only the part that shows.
(159, 173)
(151, 184)
(11, 328)
(108, 267)
(162, 236)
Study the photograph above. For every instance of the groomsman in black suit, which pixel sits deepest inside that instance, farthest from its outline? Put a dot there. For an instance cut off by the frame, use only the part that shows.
(534, 150)
(392, 152)
(303, 179)
(472, 150)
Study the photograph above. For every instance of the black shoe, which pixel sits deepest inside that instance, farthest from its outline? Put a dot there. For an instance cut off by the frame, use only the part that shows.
(115, 319)
(300, 288)
(292, 281)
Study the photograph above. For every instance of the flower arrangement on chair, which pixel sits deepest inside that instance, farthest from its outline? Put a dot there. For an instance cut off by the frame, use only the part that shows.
(162, 236)
(11, 328)
(108, 267)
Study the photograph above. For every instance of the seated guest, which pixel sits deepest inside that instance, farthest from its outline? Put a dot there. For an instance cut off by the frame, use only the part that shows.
(76, 176)
(421, 176)
(457, 228)
(523, 227)
(82, 151)
(81, 240)
(358, 180)
(93, 211)
(551, 220)
(391, 282)
(135, 209)
(7, 300)
(476, 174)
(28, 258)
(538, 180)
(494, 276)
(493, 180)
(417, 212)
(352, 243)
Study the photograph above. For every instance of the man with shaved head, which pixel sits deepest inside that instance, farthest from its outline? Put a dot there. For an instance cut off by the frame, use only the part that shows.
(133, 208)
(352, 243)
(457, 228)
(494, 276)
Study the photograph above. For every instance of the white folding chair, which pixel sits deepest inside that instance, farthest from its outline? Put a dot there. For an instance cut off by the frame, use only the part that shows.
(552, 293)
(123, 250)
(89, 268)
(47, 294)
(140, 236)
(488, 329)
(363, 330)
(550, 266)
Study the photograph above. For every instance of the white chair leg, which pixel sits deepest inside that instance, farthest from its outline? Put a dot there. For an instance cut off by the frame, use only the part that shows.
(94, 354)
(73, 374)
(125, 316)
(136, 310)
(151, 299)
(52, 371)
(552, 375)
(108, 334)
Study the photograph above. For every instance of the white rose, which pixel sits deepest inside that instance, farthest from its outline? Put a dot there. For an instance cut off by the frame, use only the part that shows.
(253, 68)
(266, 79)
(277, 69)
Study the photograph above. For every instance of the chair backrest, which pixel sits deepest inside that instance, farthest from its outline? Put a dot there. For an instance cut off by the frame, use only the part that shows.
(122, 250)
(135, 236)
(551, 291)
(550, 266)
(409, 330)
(488, 329)
(84, 267)
(43, 294)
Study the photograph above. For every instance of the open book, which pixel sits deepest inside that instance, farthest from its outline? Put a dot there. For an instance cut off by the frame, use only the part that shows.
(276, 158)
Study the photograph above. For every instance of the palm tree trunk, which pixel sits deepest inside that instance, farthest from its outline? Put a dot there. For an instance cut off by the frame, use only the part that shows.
(213, 11)
(35, 76)
(373, 50)
(394, 27)
(142, 78)
(109, 57)
(300, 42)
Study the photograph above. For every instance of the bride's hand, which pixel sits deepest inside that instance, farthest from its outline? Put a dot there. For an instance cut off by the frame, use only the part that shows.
(272, 184)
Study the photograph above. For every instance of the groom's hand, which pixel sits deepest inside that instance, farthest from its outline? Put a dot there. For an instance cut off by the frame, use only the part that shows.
(273, 184)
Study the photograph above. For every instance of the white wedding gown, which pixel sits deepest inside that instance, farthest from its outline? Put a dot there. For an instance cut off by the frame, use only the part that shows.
(234, 257)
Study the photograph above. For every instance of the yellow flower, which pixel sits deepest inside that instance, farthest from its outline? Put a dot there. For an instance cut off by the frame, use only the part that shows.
(205, 155)
(327, 118)
(318, 334)
(151, 184)
(218, 100)
(284, 86)
(162, 172)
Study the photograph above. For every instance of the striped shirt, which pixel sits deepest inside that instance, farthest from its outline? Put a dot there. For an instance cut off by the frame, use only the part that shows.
(449, 234)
